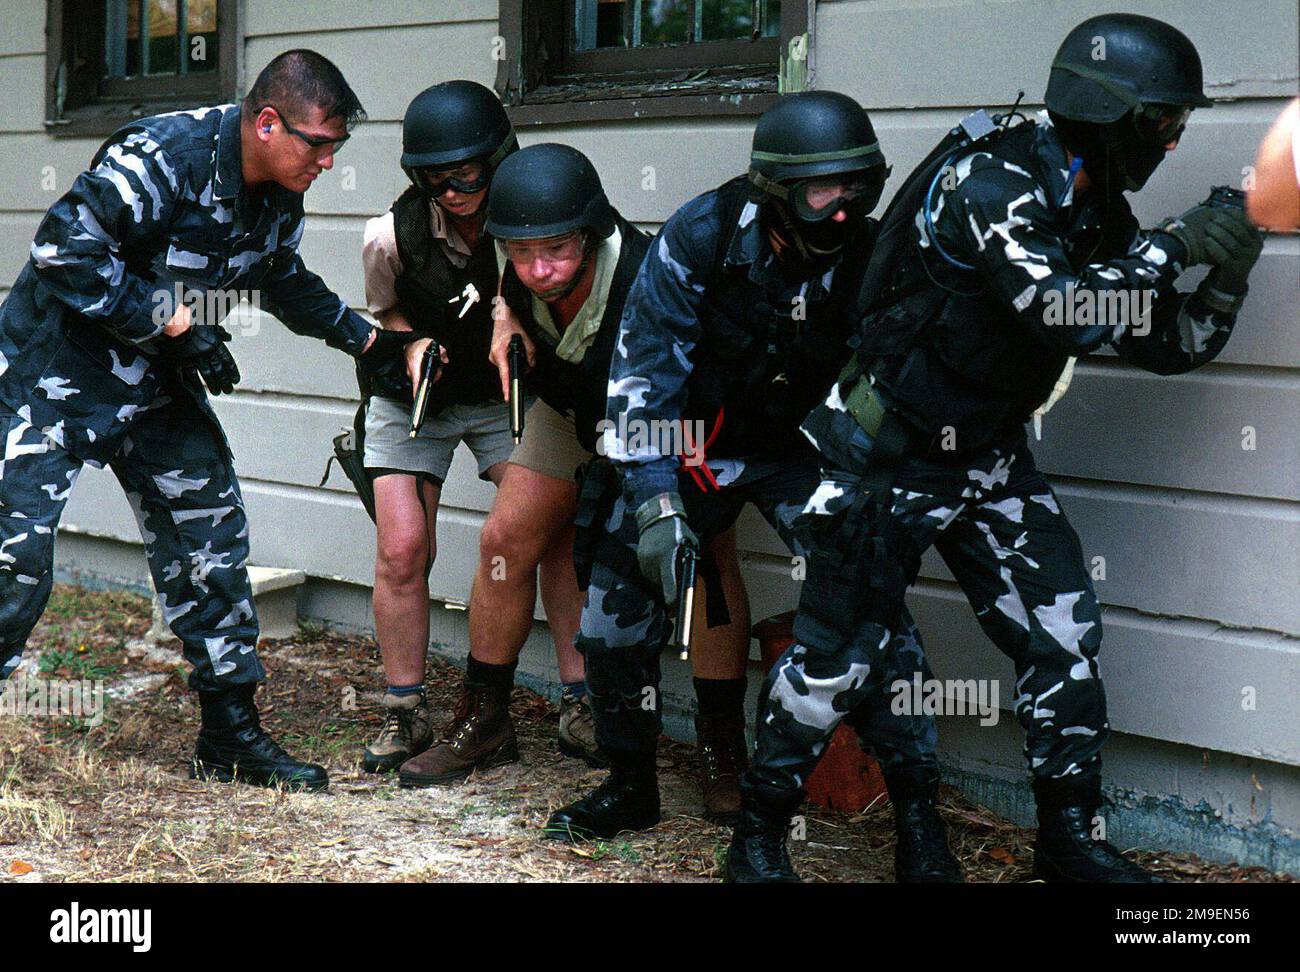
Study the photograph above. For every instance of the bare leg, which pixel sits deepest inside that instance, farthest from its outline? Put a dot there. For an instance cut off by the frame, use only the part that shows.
(563, 603)
(531, 510)
(722, 652)
(406, 549)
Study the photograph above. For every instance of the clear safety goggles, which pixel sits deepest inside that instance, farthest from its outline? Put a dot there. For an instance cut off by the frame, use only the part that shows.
(556, 249)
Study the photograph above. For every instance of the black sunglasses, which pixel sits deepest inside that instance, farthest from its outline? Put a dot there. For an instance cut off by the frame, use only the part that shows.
(315, 141)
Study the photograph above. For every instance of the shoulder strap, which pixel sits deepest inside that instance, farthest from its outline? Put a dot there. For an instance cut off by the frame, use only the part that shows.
(733, 195)
(411, 228)
(884, 280)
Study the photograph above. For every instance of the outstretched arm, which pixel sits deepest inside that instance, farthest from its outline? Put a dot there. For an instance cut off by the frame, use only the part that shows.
(1003, 224)
(303, 302)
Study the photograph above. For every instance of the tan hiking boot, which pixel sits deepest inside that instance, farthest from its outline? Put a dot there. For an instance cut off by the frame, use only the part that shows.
(479, 735)
(723, 757)
(578, 731)
(407, 731)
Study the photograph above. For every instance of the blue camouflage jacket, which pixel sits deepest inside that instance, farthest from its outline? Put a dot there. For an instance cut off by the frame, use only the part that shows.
(976, 351)
(164, 203)
(712, 302)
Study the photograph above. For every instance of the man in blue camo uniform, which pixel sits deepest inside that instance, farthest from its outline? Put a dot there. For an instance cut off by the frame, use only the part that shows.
(923, 441)
(100, 364)
(737, 321)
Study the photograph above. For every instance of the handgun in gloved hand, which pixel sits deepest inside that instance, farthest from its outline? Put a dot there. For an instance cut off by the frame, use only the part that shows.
(1217, 232)
(661, 521)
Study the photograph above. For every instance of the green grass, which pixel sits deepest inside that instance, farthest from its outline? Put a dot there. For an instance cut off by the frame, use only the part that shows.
(79, 603)
(78, 663)
(621, 849)
(332, 742)
(311, 631)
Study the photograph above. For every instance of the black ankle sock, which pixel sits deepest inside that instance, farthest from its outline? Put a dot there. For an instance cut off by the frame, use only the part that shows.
(721, 697)
(478, 673)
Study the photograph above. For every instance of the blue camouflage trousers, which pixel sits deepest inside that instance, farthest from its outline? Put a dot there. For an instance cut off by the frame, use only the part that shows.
(175, 467)
(1001, 532)
(625, 628)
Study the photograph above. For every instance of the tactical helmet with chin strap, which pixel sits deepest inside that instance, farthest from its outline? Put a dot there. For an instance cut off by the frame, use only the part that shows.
(550, 190)
(454, 123)
(804, 143)
(1122, 86)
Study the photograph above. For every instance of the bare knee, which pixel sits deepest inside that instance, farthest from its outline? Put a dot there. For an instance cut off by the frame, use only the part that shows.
(506, 543)
(403, 557)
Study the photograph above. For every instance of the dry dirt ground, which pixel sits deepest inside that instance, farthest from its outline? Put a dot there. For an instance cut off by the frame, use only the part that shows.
(113, 802)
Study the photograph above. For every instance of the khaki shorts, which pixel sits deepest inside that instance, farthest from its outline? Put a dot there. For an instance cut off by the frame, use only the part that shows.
(550, 444)
(484, 427)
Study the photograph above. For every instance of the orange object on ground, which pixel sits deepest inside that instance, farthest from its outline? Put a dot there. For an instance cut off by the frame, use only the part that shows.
(846, 778)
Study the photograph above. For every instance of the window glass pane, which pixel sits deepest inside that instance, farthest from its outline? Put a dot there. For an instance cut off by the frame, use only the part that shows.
(115, 26)
(162, 25)
(201, 44)
(665, 22)
(771, 18)
(599, 23)
(734, 19)
(132, 37)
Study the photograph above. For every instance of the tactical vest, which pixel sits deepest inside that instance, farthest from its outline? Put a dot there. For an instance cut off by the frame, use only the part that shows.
(580, 388)
(757, 364)
(429, 290)
(943, 345)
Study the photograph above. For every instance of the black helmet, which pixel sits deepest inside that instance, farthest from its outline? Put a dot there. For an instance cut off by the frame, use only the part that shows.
(812, 133)
(452, 123)
(1120, 91)
(806, 139)
(547, 190)
(1112, 64)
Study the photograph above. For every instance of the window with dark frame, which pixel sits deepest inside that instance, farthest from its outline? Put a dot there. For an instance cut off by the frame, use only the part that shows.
(109, 61)
(573, 60)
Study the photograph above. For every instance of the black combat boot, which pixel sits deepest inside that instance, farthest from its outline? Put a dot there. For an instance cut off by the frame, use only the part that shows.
(627, 800)
(921, 855)
(758, 854)
(233, 746)
(1065, 849)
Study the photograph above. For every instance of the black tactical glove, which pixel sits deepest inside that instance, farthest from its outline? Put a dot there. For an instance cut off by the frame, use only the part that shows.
(1234, 247)
(201, 351)
(1213, 234)
(384, 358)
(663, 529)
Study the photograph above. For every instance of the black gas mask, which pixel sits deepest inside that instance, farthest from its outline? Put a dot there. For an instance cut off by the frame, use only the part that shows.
(802, 213)
(1120, 156)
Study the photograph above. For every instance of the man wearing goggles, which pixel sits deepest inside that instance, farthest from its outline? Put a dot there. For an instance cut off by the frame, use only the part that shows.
(567, 261)
(104, 361)
(431, 267)
(922, 440)
(736, 324)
